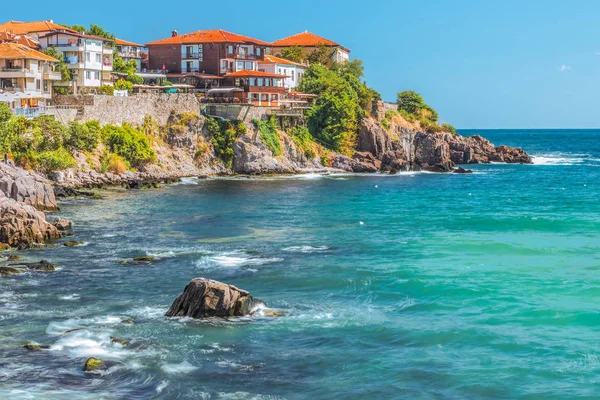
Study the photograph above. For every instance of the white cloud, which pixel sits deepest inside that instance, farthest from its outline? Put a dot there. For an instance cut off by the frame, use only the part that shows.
(564, 68)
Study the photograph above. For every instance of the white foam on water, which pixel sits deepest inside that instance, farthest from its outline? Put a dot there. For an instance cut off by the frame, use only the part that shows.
(161, 386)
(187, 181)
(235, 366)
(85, 343)
(234, 260)
(560, 159)
(306, 249)
(70, 297)
(183, 368)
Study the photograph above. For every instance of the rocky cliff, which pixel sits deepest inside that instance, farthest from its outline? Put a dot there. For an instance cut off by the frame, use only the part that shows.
(23, 194)
(403, 148)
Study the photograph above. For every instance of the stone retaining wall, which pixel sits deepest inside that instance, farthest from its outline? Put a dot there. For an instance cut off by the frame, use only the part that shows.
(132, 109)
(237, 112)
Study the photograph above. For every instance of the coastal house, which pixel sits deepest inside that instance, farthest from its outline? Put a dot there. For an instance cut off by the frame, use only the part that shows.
(89, 57)
(26, 78)
(310, 42)
(130, 51)
(7, 37)
(291, 70)
(204, 58)
(258, 88)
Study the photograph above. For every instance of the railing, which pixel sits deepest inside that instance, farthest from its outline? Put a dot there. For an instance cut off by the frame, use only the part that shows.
(192, 55)
(15, 69)
(227, 70)
(129, 54)
(32, 112)
(11, 89)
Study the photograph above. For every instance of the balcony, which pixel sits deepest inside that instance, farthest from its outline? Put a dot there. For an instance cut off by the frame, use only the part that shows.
(52, 75)
(16, 72)
(11, 89)
(72, 47)
(129, 54)
(107, 50)
(191, 55)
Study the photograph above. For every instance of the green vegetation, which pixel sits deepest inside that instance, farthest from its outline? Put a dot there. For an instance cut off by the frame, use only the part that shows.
(342, 103)
(165, 83)
(223, 134)
(305, 141)
(129, 68)
(293, 53)
(107, 89)
(412, 106)
(387, 119)
(129, 143)
(113, 163)
(268, 134)
(94, 30)
(55, 160)
(122, 84)
(84, 136)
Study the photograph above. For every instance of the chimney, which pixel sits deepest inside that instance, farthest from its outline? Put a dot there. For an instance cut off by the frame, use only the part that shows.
(174, 33)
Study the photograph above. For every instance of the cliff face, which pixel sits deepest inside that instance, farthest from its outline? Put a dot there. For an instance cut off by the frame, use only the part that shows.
(403, 148)
(23, 195)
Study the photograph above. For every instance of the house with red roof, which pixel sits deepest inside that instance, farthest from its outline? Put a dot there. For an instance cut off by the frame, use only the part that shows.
(311, 42)
(33, 29)
(130, 51)
(222, 64)
(26, 78)
(292, 71)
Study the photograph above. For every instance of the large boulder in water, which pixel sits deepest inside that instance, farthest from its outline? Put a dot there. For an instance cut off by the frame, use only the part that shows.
(203, 298)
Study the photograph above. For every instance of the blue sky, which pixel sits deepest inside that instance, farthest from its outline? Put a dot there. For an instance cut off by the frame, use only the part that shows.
(481, 64)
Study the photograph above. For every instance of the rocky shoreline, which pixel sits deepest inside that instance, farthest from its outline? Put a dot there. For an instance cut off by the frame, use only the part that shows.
(26, 195)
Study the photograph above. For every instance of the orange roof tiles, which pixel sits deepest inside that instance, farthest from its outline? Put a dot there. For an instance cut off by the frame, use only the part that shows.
(15, 50)
(246, 73)
(279, 60)
(120, 42)
(304, 39)
(23, 28)
(21, 39)
(209, 36)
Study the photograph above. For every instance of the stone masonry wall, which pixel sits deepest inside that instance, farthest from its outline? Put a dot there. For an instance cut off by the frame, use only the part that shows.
(131, 109)
(237, 112)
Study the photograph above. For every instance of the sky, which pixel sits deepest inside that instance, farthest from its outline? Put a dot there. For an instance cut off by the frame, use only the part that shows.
(480, 64)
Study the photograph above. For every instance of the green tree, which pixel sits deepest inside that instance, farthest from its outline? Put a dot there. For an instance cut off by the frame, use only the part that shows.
(321, 55)
(410, 101)
(53, 133)
(5, 113)
(294, 53)
(129, 143)
(124, 85)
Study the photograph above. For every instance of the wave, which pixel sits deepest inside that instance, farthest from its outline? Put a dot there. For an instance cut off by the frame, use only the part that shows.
(559, 158)
(182, 368)
(234, 259)
(306, 249)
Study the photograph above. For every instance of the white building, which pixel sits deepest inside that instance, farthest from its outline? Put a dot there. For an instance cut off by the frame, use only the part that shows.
(89, 57)
(26, 78)
(292, 70)
(129, 51)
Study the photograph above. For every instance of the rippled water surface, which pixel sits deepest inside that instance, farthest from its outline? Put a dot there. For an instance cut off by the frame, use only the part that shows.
(420, 286)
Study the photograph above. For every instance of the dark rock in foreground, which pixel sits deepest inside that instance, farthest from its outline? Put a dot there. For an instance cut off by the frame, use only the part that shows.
(461, 170)
(203, 298)
(15, 269)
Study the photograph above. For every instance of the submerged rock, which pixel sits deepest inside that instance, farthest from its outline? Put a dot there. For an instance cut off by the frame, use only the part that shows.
(43, 265)
(127, 321)
(35, 347)
(461, 170)
(203, 298)
(144, 258)
(72, 243)
(10, 271)
(122, 342)
(14, 257)
(93, 364)
(62, 224)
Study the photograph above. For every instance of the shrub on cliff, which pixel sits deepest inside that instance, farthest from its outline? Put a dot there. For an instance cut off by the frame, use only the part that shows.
(55, 160)
(5, 113)
(449, 128)
(53, 133)
(413, 108)
(129, 143)
(113, 163)
(268, 134)
(84, 136)
(223, 134)
(305, 141)
(124, 85)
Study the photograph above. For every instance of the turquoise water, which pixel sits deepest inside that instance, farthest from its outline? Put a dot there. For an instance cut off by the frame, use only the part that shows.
(416, 286)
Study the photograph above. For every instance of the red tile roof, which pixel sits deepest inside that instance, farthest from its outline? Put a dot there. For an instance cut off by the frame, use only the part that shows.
(120, 42)
(18, 51)
(23, 28)
(279, 60)
(7, 37)
(209, 36)
(304, 39)
(248, 73)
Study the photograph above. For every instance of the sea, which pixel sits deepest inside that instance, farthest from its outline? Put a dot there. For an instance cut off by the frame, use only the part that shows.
(413, 286)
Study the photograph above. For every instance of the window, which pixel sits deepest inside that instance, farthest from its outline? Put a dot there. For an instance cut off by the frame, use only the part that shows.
(87, 56)
(279, 72)
(45, 86)
(88, 75)
(252, 81)
(37, 84)
(98, 58)
(258, 51)
(267, 82)
(260, 81)
(240, 65)
(97, 75)
(237, 82)
(249, 65)
(292, 76)
(230, 49)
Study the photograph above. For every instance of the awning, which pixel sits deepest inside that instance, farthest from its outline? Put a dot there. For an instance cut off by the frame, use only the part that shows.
(225, 90)
(147, 75)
